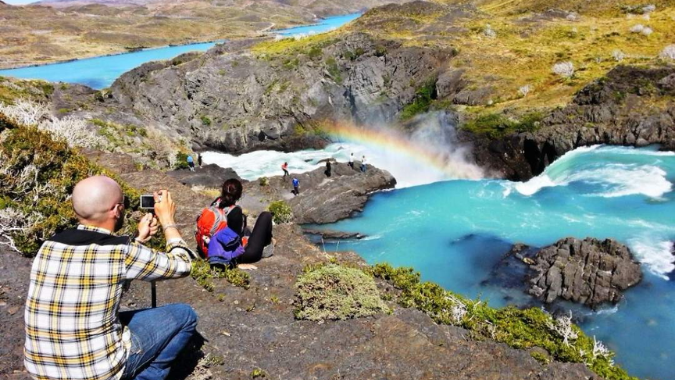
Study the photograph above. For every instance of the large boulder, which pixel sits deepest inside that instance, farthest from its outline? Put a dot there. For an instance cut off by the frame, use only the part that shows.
(586, 271)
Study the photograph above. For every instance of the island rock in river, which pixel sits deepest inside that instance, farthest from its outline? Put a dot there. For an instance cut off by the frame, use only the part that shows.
(586, 271)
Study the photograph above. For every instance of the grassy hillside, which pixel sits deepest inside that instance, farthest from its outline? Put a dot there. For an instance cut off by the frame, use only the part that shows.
(40, 34)
(507, 50)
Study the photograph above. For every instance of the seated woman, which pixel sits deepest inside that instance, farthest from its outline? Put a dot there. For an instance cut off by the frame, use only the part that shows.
(233, 245)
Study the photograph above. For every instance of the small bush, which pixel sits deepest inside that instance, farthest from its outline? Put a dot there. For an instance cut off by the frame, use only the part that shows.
(423, 98)
(263, 181)
(204, 275)
(181, 161)
(38, 174)
(496, 125)
(281, 212)
(338, 293)
(333, 69)
(206, 120)
(380, 51)
(315, 52)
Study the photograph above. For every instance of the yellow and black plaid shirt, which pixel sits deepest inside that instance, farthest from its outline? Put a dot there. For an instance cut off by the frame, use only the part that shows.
(72, 328)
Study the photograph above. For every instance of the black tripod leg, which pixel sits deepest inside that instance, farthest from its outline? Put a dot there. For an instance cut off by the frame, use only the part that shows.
(153, 293)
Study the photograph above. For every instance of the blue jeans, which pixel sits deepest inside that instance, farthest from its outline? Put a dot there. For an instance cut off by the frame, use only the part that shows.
(157, 337)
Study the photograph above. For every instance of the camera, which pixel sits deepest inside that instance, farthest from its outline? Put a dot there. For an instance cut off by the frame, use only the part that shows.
(147, 202)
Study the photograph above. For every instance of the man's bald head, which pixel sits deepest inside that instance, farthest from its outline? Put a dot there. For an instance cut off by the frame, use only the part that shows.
(95, 197)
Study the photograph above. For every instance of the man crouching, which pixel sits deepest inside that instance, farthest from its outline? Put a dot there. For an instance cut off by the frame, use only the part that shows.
(73, 327)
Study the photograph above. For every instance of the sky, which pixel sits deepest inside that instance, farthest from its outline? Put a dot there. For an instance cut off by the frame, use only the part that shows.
(19, 1)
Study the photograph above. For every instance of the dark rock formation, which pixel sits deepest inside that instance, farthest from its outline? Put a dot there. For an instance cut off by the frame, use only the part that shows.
(325, 199)
(332, 235)
(586, 271)
(329, 199)
(231, 100)
(210, 176)
(618, 110)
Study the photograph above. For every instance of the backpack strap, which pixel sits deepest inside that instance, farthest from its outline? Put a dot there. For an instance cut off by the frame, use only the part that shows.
(221, 215)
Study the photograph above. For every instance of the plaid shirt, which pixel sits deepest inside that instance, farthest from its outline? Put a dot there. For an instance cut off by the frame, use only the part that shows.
(72, 327)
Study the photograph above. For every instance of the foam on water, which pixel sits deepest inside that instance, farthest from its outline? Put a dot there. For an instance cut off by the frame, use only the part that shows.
(656, 254)
(615, 179)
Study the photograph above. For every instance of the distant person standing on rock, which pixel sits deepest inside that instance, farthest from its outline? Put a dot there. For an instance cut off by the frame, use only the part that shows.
(351, 161)
(191, 163)
(296, 186)
(74, 329)
(284, 167)
(199, 160)
(363, 164)
(329, 169)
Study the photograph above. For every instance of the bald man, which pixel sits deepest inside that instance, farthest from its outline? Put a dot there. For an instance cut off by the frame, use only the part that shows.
(73, 327)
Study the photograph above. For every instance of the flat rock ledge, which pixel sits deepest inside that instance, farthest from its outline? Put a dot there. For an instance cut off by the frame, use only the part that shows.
(587, 271)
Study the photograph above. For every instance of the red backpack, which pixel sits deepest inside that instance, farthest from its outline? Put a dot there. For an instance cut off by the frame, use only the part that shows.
(210, 221)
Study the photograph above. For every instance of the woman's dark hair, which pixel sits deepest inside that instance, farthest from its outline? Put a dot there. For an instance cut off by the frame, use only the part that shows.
(230, 193)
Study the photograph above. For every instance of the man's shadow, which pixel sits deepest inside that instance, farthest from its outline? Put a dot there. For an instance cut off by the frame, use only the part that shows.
(188, 359)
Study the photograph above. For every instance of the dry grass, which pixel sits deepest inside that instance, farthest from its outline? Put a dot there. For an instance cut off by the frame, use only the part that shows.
(529, 41)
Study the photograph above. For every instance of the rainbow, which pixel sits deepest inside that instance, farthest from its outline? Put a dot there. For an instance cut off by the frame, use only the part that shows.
(393, 141)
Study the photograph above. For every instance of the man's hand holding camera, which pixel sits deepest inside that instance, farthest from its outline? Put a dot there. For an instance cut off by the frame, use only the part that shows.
(164, 212)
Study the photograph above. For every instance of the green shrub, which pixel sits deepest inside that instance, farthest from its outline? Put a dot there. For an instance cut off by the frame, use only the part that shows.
(315, 52)
(258, 374)
(496, 125)
(263, 181)
(38, 175)
(333, 70)
(281, 212)
(203, 273)
(206, 120)
(521, 329)
(423, 98)
(337, 292)
(181, 161)
(380, 51)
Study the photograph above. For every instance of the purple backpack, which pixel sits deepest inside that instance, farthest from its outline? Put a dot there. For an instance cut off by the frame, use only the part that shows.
(225, 246)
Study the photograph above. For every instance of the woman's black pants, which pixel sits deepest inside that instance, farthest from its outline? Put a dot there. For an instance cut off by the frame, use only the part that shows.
(260, 237)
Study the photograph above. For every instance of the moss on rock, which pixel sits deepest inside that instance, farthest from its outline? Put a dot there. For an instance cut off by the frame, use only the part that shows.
(337, 292)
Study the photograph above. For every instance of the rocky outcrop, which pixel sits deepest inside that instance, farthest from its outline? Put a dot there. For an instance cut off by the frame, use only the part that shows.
(586, 271)
(233, 100)
(326, 199)
(209, 176)
(631, 106)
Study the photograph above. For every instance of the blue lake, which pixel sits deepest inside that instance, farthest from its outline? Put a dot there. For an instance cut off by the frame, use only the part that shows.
(454, 232)
(323, 26)
(101, 72)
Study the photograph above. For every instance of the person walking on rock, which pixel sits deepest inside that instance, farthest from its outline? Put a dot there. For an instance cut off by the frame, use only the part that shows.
(199, 160)
(363, 164)
(351, 161)
(74, 329)
(284, 167)
(191, 163)
(296, 186)
(329, 169)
